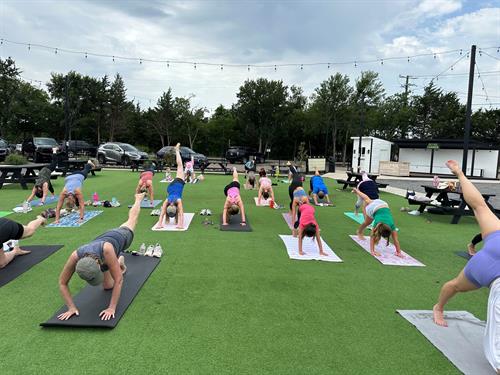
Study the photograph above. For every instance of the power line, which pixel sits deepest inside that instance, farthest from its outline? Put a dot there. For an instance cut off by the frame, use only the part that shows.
(424, 76)
(482, 83)
(168, 62)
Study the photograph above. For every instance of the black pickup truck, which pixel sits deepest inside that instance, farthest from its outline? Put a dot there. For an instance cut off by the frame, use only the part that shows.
(76, 147)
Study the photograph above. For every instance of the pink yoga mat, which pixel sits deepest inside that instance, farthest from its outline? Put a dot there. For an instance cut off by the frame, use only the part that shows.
(288, 219)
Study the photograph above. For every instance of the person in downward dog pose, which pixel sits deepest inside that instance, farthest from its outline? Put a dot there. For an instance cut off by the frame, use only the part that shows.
(172, 207)
(100, 262)
(189, 171)
(265, 187)
(318, 188)
(233, 204)
(145, 183)
(308, 227)
(43, 184)
(482, 270)
(368, 187)
(377, 212)
(11, 230)
(72, 192)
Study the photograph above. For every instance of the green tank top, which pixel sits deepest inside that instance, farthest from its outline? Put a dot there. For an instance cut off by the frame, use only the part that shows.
(384, 216)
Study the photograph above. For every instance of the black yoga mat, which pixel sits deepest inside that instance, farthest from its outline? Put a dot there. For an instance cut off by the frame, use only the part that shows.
(234, 224)
(93, 299)
(23, 263)
(463, 254)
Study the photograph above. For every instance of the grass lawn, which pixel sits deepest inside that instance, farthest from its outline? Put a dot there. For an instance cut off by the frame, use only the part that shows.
(223, 302)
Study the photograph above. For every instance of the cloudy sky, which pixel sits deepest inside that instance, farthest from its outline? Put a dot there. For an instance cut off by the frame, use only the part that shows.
(255, 33)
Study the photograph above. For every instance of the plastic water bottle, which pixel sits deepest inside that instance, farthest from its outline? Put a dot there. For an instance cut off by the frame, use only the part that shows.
(113, 201)
(26, 206)
(95, 197)
(435, 181)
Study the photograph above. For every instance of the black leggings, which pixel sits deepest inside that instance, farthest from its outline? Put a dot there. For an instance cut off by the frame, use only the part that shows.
(296, 182)
(85, 171)
(10, 230)
(477, 238)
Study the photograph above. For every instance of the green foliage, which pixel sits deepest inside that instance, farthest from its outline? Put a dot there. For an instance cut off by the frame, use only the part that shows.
(15, 159)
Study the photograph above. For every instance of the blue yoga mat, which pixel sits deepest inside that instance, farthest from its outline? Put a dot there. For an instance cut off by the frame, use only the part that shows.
(146, 203)
(36, 202)
(71, 221)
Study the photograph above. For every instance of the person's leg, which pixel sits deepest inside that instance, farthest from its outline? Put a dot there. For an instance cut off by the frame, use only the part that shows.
(7, 257)
(449, 289)
(487, 220)
(31, 228)
(491, 341)
(235, 174)
(133, 213)
(178, 160)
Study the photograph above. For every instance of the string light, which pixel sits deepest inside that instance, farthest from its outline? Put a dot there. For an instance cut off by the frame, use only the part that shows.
(248, 67)
(113, 59)
(275, 68)
(301, 67)
(29, 47)
(408, 58)
(140, 61)
(195, 65)
(221, 67)
(381, 61)
(86, 55)
(168, 64)
(55, 51)
(328, 65)
(355, 64)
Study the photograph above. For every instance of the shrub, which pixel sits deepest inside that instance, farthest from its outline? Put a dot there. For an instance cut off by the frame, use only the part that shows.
(15, 159)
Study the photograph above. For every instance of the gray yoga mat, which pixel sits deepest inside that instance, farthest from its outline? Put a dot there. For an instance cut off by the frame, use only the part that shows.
(146, 203)
(234, 224)
(93, 299)
(463, 254)
(23, 263)
(461, 342)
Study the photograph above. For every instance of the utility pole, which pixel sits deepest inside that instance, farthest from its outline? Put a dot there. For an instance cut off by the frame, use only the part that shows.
(468, 110)
(66, 112)
(361, 127)
(407, 86)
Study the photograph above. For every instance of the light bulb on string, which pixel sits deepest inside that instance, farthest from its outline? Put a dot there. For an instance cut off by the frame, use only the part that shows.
(55, 51)
(355, 65)
(381, 61)
(451, 67)
(275, 68)
(460, 51)
(195, 65)
(29, 47)
(113, 59)
(1, 41)
(301, 67)
(248, 67)
(408, 58)
(86, 55)
(435, 55)
(140, 61)
(168, 64)
(221, 67)
(480, 53)
(328, 65)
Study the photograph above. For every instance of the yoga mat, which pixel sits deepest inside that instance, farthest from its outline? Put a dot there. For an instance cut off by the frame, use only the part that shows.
(463, 254)
(388, 253)
(71, 221)
(288, 219)
(146, 203)
(461, 342)
(263, 202)
(36, 202)
(359, 218)
(310, 248)
(23, 263)
(93, 299)
(234, 224)
(321, 202)
(170, 226)
(5, 213)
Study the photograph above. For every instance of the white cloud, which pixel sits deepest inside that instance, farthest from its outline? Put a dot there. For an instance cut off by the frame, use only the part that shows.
(434, 8)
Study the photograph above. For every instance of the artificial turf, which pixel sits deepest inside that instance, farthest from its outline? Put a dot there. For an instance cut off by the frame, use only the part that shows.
(225, 302)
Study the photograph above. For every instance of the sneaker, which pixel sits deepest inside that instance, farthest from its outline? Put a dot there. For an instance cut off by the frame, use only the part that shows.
(209, 213)
(149, 251)
(158, 251)
(141, 251)
(203, 212)
(414, 213)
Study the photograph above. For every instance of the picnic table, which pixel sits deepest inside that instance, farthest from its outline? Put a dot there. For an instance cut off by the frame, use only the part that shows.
(135, 165)
(354, 178)
(70, 166)
(20, 174)
(216, 165)
(450, 202)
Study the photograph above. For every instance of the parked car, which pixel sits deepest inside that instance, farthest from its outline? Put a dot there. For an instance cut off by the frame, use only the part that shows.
(186, 153)
(39, 149)
(4, 149)
(120, 153)
(243, 154)
(75, 147)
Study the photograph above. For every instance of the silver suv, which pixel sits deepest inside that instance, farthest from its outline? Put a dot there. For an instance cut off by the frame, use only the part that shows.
(120, 153)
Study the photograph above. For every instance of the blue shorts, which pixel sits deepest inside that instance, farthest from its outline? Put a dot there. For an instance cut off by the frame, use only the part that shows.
(484, 267)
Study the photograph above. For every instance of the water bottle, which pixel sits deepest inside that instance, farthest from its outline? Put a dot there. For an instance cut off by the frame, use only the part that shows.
(26, 206)
(113, 201)
(95, 197)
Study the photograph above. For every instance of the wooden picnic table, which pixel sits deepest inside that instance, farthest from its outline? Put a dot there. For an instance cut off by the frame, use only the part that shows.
(354, 178)
(135, 165)
(449, 204)
(20, 174)
(70, 166)
(220, 165)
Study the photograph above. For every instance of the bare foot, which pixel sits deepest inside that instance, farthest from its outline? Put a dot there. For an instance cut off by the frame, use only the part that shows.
(454, 167)
(360, 235)
(91, 164)
(18, 251)
(471, 249)
(376, 254)
(324, 254)
(439, 317)
(42, 219)
(177, 146)
(400, 255)
(301, 253)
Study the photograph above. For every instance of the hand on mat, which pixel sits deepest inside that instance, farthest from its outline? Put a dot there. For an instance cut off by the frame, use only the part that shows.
(81, 220)
(243, 224)
(323, 254)
(178, 227)
(400, 255)
(68, 314)
(107, 314)
(376, 254)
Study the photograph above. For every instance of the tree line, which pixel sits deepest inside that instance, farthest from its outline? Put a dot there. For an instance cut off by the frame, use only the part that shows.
(267, 115)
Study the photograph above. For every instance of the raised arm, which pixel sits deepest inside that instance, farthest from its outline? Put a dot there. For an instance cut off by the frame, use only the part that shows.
(60, 202)
(64, 278)
(81, 203)
(362, 196)
(180, 215)
(242, 208)
(162, 215)
(395, 239)
(224, 214)
(32, 195)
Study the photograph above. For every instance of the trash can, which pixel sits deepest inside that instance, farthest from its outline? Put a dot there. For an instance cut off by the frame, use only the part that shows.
(330, 164)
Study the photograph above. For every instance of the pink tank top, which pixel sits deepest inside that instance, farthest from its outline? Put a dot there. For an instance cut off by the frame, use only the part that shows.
(233, 194)
(307, 215)
(189, 165)
(145, 176)
(265, 182)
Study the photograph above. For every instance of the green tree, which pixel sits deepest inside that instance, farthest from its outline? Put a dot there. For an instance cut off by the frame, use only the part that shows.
(163, 117)
(118, 107)
(9, 84)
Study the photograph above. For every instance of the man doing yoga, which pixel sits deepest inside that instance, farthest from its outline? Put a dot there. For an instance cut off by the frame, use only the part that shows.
(482, 270)
(42, 181)
(100, 262)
